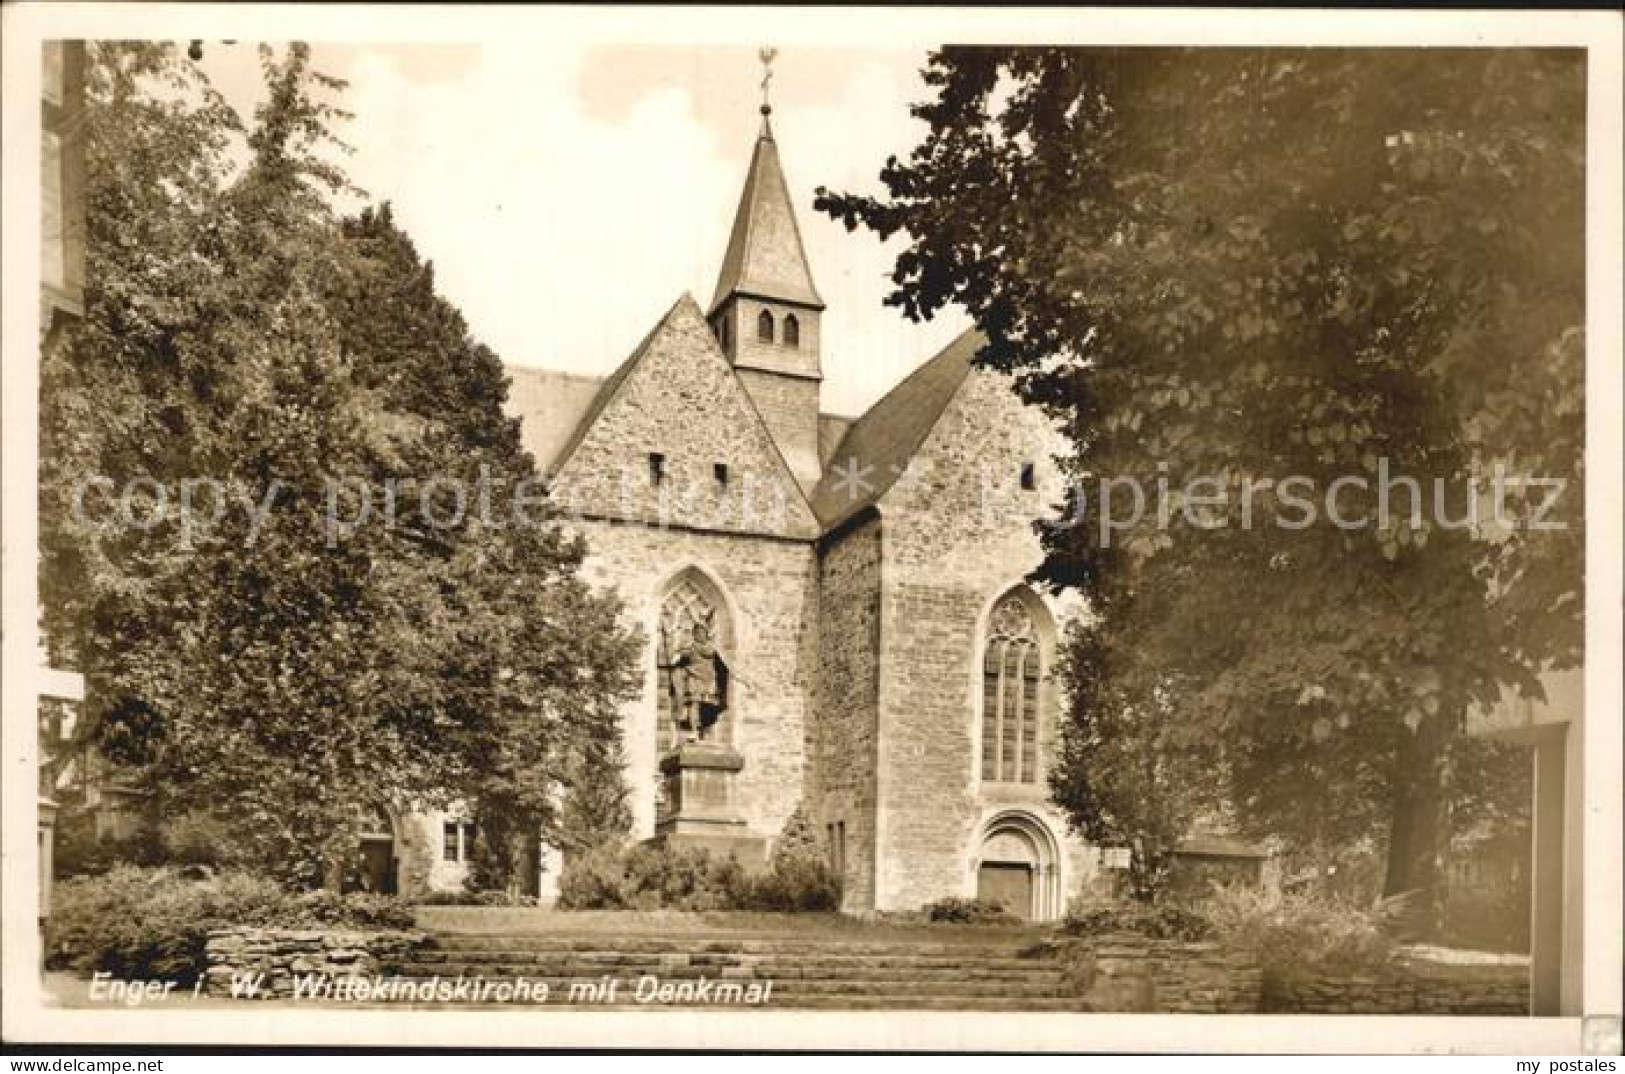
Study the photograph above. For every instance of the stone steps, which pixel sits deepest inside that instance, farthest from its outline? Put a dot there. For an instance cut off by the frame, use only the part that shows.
(702, 945)
(1047, 977)
(807, 972)
(613, 961)
(904, 1002)
(787, 987)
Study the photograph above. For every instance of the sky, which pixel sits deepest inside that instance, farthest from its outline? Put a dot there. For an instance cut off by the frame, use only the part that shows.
(568, 194)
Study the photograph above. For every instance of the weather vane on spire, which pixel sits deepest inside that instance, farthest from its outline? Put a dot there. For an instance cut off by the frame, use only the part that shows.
(767, 54)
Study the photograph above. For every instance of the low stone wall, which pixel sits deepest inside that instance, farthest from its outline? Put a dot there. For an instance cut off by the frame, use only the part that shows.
(272, 958)
(1406, 987)
(1124, 972)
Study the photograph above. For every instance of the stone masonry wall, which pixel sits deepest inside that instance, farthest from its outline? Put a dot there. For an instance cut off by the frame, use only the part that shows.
(789, 407)
(748, 351)
(751, 537)
(841, 743)
(1408, 987)
(277, 956)
(769, 588)
(1130, 973)
(420, 850)
(958, 535)
(679, 399)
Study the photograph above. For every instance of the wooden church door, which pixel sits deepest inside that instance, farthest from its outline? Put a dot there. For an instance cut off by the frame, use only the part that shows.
(1009, 883)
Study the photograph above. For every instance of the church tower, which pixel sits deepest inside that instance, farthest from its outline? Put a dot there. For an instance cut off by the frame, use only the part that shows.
(766, 311)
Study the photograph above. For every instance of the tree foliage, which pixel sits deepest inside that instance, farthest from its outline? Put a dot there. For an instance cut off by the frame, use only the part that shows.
(259, 654)
(1260, 264)
(1129, 777)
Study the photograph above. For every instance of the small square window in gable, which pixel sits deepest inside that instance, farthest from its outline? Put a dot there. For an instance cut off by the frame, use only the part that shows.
(657, 467)
(719, 470)
(1029, 476)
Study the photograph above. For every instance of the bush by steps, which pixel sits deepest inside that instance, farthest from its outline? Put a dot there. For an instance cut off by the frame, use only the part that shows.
(154, 923)
(650, 876)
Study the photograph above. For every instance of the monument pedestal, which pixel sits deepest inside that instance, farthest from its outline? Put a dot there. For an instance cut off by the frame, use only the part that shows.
(699, 810)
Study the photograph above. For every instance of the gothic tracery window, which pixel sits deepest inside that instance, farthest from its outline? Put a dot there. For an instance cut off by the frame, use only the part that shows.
(1011, 670)
(687, 606)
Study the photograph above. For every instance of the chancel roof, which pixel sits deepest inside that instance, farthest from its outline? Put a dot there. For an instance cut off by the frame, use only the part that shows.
(877, 448)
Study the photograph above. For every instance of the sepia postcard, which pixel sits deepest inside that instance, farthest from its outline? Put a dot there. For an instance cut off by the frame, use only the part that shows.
(870, 529)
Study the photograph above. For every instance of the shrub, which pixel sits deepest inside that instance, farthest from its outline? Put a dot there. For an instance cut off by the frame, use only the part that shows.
(79, 851)
(958, 911)
(1488, 917)
(659, 877)
(643, 876)
(154, 923)
(795, 885)
(1157, 920)
(592, 881)
(196, 838)
(477, 897)
(797, 841)
(655, 876)
(353, 909)
(727, 886)
(200, 838)
(1295, 933)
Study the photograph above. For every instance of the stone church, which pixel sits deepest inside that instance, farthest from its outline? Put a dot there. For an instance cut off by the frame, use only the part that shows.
(857, 582)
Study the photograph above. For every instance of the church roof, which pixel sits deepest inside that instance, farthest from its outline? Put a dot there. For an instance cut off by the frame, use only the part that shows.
(765, 255)
(606, 391)
(877, 448)
(550, 406)
(831, 431)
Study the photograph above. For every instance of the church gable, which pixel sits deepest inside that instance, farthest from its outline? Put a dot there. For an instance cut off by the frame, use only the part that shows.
(674, 439)
(983, 473)
(952, 444)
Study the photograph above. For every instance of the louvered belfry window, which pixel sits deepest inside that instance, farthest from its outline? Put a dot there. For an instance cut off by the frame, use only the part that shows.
(1010, 674)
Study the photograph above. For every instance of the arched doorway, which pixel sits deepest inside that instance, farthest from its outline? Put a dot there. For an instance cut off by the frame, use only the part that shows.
(1017, 865)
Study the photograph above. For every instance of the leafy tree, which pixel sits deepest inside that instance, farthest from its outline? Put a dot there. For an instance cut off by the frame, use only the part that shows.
(1251, 264)
(1128, 778)
(595, 801)
(798, 839)
(156, 137)
(294, 671)
(556, 662)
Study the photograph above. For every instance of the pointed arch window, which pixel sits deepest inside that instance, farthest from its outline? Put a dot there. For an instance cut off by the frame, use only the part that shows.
(764, 326)
(792, 331)
(1012, 667)
(692, 657)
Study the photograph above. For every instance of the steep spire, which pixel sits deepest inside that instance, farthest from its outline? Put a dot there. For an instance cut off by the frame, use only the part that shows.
(766, 314)
(765, 257)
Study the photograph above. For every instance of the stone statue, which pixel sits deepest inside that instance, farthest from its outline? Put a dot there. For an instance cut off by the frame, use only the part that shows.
(699, 686)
